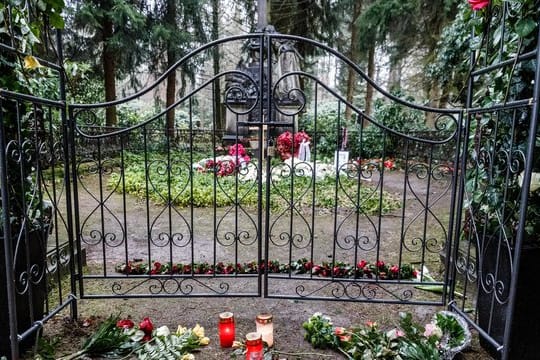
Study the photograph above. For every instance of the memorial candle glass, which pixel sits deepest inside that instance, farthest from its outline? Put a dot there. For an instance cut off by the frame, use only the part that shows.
(226, 329)
(265, 327)
(254, 346)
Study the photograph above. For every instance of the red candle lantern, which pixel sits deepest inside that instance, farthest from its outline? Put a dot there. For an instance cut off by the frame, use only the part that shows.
(254, 346)
(226, 329)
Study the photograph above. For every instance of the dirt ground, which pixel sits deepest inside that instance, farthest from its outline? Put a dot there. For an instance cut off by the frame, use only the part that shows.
(288, 319)
(288, 314)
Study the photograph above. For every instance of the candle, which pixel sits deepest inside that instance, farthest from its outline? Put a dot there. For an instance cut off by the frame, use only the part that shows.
(226, 329)
(254, 346)
(265, 327)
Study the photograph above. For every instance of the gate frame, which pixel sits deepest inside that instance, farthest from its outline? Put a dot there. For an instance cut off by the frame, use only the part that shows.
(72, 208)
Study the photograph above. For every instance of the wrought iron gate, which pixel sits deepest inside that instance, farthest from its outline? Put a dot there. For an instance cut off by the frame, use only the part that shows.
(131, 202)
(364, 228)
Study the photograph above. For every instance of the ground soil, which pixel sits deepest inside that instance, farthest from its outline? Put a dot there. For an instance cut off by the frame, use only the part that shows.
(288, 314)
(288, 319)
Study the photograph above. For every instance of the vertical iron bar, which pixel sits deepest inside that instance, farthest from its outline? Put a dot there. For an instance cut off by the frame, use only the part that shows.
(215, 115)
(68, 137)
(191, 174)
(314, 192)
(124, 203)
(147, 193)
(8, 246)
(264, 101)
(403, 208)
(336, 187)
(450, 263)
(533, 127)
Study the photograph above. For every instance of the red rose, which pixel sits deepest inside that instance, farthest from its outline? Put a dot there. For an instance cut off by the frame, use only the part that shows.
(380, 264)
(389, 164)
(478, 4)
(394, 269)
(125, 324)
(362, 264)
(146, 326)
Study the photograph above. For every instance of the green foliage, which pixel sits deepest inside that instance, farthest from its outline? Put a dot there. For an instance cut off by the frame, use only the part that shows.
(450, 326)
(376, 142)
(492, 180)
(450, 66)
(320, 332)
(203, 189)
(411, 341)
(324, 129)
(107, 339)
(368, 142)
(169, 347)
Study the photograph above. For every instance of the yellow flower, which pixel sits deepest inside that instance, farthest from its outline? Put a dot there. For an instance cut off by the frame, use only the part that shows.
(188, 357)
(31, 62)
(199, 331)
(181, 330)
(237, 344)
(204, 341)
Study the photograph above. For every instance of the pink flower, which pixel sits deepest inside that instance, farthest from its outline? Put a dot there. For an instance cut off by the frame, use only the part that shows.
(380, 264)
(478, 4)
(371, 324)
(433, 330)
(394, 269)
(237, 149)
(341, 333)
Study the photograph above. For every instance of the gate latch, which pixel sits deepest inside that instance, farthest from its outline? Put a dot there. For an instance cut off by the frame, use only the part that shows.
(270, 149)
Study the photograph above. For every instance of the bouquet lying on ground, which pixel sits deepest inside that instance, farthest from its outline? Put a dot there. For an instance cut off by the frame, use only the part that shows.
(122, 337)
(446, 335)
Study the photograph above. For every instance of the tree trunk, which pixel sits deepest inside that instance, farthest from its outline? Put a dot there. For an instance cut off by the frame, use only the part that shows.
(394, 79)
(371, 75)
(353, 55)
(170, 97)
(169, 100)
(218, 116)
(109, 71)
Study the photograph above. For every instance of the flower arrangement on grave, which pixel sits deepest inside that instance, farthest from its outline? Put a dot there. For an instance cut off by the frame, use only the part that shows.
(226, 164)
(372, 164)
(122, 337)
(362, 270)
(289, 145)
(442, 338)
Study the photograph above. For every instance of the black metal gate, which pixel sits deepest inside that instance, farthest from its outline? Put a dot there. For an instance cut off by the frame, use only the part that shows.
(304, 195)
(364, 218)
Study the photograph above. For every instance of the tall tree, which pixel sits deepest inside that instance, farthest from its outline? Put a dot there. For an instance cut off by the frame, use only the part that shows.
(219, 118)
(354, 55)
(176, 28)
(103, 29)
(402, 27)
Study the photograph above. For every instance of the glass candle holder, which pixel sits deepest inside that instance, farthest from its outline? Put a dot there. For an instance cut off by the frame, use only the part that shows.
(254, 346)
(226, 329)
(265, 327)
